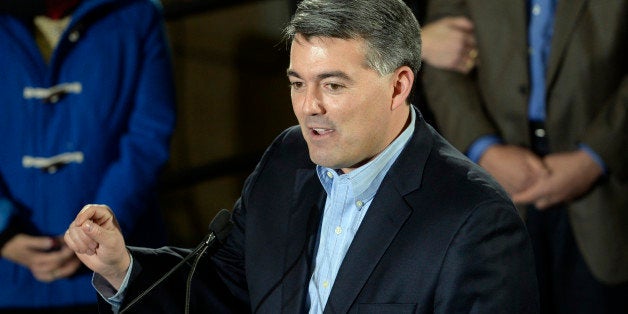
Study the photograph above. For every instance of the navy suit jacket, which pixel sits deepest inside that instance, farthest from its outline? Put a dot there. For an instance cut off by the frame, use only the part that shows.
(439, 237)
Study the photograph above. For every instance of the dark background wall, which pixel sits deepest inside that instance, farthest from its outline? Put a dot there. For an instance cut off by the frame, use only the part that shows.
(233, 99)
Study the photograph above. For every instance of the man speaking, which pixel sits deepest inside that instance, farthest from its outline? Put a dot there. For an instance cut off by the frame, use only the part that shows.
(361, 208)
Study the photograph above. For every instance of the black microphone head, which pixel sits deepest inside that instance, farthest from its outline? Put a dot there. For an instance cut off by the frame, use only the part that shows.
(221, 225)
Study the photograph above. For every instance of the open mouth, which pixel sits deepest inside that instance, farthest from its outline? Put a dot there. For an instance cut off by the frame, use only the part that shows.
(321, 131)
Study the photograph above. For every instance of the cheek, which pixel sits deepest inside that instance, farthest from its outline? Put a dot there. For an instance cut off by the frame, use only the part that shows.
(371, 117)
(294, 97)
(296, 104)
(356, 123)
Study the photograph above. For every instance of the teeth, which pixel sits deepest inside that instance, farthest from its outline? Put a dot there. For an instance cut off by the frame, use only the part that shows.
(321, 131)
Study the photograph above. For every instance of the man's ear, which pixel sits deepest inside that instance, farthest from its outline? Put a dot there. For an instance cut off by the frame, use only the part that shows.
(403, 79)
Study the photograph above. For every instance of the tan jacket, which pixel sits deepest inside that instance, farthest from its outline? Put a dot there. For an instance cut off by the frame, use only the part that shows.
(587, 102)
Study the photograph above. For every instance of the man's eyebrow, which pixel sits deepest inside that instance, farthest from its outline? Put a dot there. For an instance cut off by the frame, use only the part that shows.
(337, 74)
(293, 73)
(322, 76)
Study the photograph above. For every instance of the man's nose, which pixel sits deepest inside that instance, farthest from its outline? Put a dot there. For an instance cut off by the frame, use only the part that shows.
(312, 104)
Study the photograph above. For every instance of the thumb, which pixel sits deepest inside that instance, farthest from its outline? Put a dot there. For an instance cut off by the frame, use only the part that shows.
(94, 231)
(39, 243)
(528, 196)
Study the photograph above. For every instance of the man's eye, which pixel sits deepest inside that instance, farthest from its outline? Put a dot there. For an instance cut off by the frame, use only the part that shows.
(296, 85)
(334, 87)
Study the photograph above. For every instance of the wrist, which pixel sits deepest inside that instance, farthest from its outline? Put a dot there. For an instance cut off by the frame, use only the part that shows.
(591, 166)
(118, 272)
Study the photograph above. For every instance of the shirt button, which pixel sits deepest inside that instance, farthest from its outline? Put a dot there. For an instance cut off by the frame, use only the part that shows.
(325, 284)
(536, 9)
(539, 132)
(329, 174)
(338, 230)
(359, 204)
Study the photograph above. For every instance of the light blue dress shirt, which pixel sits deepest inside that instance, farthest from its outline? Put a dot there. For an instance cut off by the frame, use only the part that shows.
(540, 32)
(348, 199)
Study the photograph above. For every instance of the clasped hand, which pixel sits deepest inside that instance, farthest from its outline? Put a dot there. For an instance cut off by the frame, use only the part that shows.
(543, 182)
(449, 43)
(48, 258)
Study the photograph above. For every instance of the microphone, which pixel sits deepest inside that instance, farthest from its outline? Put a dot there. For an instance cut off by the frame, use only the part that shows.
(219, 229)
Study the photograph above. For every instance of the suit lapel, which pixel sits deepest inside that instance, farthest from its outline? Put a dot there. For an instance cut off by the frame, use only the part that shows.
(386, 216)
(567, 14)
(302, 233)
(379, 228)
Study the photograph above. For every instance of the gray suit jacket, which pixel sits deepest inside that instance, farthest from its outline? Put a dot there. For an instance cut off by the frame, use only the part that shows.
(587, 102)
(439, 237)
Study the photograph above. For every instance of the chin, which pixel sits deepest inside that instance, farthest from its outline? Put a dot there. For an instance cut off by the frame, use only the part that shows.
(322, 161)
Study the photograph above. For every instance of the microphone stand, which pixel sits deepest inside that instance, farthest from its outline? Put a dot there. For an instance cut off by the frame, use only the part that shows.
(219, 227)
(188, 286)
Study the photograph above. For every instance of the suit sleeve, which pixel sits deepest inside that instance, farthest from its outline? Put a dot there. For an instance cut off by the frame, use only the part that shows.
(220, 284)
(452, 95)
(487, 265)
(607, 135)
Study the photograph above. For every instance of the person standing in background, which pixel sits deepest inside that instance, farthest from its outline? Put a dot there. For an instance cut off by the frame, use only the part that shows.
(86, 112)
(546, 113)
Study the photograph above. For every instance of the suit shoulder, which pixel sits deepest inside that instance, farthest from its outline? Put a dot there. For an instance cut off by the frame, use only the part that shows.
(284, 155)
(459, 181)
(289, 146)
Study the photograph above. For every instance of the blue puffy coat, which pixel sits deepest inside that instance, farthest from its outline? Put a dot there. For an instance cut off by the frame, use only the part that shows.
(91, 126)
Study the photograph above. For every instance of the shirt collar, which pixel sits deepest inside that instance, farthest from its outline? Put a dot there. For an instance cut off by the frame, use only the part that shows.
(366, 179)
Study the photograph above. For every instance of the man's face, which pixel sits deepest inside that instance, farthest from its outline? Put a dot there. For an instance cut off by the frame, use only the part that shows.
(344, 108)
